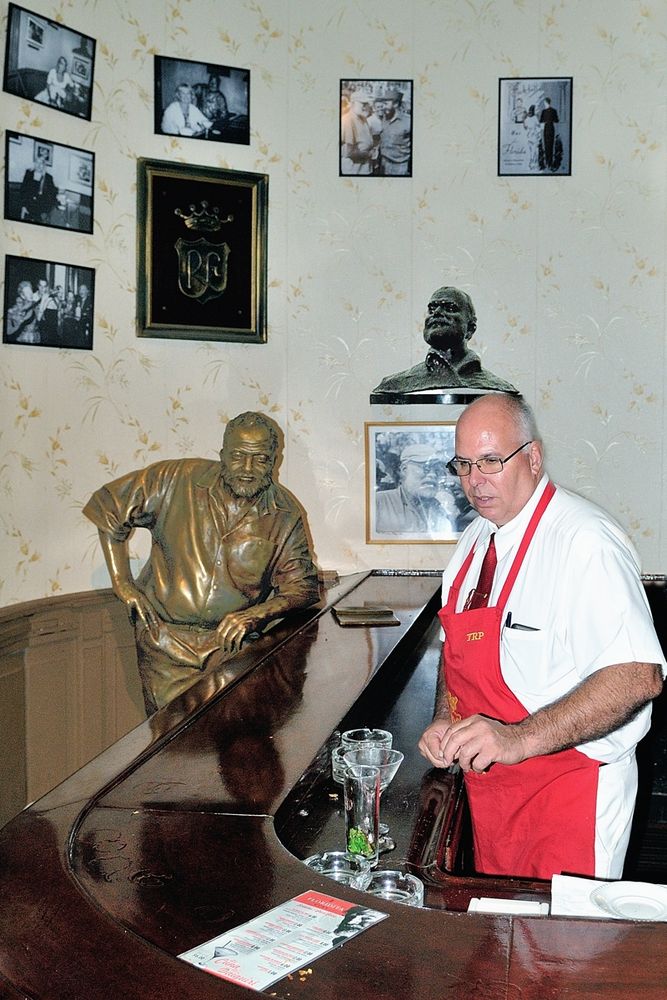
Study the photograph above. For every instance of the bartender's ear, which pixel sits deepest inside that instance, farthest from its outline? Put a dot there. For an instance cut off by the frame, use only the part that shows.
(536, 456)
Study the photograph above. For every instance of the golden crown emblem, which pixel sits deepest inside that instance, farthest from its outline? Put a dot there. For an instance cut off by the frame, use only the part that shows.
(201, 219)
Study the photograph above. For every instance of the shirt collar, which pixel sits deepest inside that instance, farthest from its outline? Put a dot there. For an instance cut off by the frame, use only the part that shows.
(510, 534)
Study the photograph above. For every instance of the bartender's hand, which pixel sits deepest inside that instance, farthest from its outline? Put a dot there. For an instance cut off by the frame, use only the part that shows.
(475, 743)
(431, 742)
(235, 626)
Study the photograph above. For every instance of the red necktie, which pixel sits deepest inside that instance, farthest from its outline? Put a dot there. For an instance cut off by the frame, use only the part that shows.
(479, 597)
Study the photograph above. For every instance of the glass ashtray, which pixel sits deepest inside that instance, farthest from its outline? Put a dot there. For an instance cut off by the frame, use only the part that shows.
(398, 887)
(354, 739)
(338, 765)
(341, 867)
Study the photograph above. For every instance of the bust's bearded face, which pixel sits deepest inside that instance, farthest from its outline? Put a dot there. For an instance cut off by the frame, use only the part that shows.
(449, 321)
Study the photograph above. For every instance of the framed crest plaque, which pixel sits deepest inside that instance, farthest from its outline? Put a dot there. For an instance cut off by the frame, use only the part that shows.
(202, 243)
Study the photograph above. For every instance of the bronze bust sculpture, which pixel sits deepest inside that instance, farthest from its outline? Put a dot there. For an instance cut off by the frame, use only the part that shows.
(450, 364)
(229, 554)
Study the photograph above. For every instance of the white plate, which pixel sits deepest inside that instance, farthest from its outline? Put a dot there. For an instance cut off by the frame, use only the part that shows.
(632, 900)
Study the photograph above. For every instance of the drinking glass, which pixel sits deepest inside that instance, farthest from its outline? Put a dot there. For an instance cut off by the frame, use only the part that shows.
(353, 739)
(399, 887)
(388, 763)
(361, 787)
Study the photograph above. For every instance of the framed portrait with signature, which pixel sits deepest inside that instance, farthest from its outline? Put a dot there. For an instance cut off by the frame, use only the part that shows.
(535, 127)
(202, 243)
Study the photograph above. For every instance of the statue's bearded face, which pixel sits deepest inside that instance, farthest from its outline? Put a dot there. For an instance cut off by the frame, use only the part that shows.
(246, 461)
(449, 321)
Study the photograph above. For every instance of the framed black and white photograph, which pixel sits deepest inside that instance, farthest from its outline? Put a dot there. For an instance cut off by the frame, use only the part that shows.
(202, 100)
(35, 33)
(202, 242)
(43, 151)
(47, 62)
(375, 128)
(535, 126)
(81, 69)
(48, 184)
(48, 304)
(410, 494)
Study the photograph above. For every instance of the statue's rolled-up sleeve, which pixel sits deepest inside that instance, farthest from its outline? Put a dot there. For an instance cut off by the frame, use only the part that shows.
(295, 574)
(119, 507)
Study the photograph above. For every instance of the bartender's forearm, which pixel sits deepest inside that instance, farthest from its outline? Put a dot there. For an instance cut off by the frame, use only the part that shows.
(596, 707)
(603, 702)
(441, 709)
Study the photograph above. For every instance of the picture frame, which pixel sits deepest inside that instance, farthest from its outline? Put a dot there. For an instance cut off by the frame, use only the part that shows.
(44, 150)
(81, 168)
(411, 497)
(81, 69)
(201, 252)
(35, 33)
(48, 183)
(48, 304)
(375, 128)
(200, 100)
(535, 126)
(48, 62)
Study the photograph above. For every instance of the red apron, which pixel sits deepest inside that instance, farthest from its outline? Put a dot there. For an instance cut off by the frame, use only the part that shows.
(532, 819)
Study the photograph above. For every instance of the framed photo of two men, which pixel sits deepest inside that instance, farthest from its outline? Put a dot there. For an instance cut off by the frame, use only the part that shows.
(535, 126)
(411, 496)
(47, 62)
(375, 128)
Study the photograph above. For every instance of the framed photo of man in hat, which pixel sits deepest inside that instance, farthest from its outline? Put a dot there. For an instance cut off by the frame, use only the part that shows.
(410, 495)
(375, 128)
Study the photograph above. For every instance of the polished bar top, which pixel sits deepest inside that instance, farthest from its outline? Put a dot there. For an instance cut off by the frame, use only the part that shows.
(195, 822)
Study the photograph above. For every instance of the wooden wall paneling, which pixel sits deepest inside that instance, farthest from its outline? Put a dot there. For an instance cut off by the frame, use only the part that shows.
(53, 729)
(91, 702)
(13, 789)
(69, 688)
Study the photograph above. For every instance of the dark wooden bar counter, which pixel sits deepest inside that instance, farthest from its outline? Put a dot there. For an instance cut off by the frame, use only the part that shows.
(197, 820)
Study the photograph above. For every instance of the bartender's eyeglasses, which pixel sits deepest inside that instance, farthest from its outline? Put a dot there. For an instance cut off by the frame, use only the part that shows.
(487, 466)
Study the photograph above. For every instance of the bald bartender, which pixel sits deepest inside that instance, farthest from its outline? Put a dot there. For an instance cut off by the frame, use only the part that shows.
(550, 660)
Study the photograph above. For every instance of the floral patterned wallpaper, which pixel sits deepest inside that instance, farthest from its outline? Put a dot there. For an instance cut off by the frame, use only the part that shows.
(567, 273)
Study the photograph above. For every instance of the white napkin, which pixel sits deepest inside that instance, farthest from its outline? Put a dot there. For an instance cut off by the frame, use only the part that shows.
(571, 896)
(515, 907)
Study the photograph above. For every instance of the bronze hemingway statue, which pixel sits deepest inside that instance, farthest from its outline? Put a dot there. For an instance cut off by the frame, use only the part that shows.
(449, 364)
(229, 554)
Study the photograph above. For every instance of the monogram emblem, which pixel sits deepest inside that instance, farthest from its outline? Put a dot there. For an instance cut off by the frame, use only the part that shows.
(202, 268)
